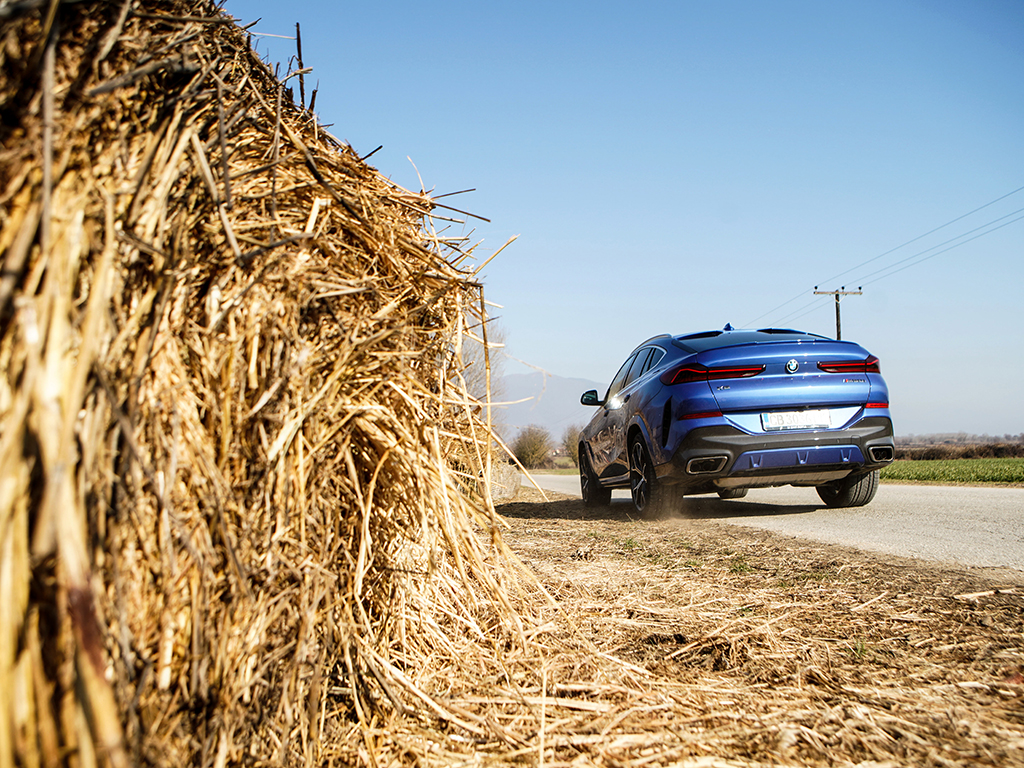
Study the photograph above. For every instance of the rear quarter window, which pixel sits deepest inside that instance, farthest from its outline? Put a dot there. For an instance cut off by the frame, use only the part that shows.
(656, 355)
(638, 367)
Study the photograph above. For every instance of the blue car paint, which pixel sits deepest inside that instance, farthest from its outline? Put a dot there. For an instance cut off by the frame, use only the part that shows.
(736, 405)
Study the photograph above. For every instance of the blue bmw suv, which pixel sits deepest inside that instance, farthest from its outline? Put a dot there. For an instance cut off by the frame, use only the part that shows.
(725, 411)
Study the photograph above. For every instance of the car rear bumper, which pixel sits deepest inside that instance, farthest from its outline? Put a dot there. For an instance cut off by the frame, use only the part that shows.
(717, 457)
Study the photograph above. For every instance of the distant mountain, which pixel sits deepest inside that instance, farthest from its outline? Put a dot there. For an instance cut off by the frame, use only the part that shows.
(551, 402)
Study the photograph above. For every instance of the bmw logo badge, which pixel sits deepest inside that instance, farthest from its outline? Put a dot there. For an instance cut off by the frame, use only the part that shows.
(791, 366)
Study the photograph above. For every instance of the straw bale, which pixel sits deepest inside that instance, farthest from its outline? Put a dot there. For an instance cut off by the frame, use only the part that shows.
(241, 481)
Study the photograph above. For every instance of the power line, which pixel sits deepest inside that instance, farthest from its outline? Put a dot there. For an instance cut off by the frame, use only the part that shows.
(947, 242)
(814, 305)
(771, 311)
(799, 312)
(908, 266)
(930, 232)
(810, 306)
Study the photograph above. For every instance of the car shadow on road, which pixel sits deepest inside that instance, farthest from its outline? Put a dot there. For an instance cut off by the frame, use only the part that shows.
(710, 508)
(691, 507)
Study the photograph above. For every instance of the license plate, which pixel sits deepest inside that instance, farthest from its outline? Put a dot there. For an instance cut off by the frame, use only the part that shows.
(796, 420)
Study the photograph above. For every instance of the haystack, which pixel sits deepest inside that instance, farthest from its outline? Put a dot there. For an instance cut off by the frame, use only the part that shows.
(242, 486)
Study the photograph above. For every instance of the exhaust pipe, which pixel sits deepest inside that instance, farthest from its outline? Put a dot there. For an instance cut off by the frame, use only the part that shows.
(881, 453)
(706, 465)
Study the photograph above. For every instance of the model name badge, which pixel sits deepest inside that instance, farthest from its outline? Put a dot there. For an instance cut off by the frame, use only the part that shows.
(853, 381)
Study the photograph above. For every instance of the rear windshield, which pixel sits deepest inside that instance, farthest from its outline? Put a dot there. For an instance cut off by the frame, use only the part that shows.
(699, 342)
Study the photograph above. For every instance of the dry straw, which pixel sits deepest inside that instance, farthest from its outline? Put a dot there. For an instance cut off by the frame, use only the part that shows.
(240, 477)
(243, 508)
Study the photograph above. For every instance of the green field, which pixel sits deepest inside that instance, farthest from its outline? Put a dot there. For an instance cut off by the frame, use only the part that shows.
(938, 471)
(957, 471)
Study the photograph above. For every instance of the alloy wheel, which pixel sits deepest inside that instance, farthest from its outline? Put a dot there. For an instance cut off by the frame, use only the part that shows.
(639, 480)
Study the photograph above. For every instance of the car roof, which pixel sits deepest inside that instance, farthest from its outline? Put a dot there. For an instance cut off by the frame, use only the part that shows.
(698, 342)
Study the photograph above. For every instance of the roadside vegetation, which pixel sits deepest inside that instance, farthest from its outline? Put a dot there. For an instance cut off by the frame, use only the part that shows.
(532, 446)
(955, 460)
(956, 471)
(976, 448)
(958, 445)
(571, 443)
(958, 458)
(995, 471)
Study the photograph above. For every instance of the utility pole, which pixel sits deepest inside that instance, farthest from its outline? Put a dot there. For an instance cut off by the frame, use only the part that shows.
(841, 292)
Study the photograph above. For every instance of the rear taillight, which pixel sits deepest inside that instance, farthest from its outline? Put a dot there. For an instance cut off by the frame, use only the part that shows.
(684, 373)
(696, 372)
(870, 365)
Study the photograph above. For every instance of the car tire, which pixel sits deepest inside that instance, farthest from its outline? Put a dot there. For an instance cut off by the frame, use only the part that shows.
(732, 493)
(850, 492)
(649, 498)
(594, 495)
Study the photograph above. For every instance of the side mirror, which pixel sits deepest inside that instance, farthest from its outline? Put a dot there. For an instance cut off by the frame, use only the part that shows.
(590, 397)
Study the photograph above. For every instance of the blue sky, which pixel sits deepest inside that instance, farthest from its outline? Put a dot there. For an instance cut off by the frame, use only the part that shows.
(676, 166)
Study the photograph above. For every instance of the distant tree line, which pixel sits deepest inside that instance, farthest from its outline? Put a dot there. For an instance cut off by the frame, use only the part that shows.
(534, 444)
(957, 438)
(959, 445)
(960, 451)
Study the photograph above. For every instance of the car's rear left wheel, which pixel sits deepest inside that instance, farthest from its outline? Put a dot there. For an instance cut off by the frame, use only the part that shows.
(850, 492)
(649, 497)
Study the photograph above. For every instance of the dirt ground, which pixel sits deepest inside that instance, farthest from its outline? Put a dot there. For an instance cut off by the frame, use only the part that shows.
(779, 651)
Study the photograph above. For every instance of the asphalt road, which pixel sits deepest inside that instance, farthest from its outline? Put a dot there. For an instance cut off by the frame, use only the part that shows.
(979, 527)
